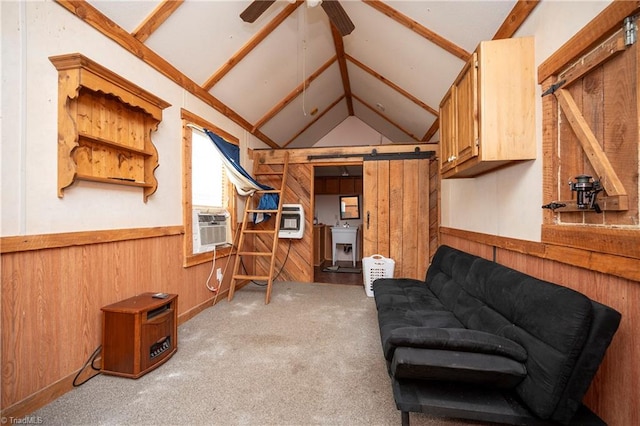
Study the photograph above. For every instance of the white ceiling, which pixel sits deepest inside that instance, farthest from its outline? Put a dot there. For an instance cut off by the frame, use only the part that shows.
(200, 37)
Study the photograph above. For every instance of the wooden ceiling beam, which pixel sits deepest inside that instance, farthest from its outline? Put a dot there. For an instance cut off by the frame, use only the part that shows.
(250, 45)
(432, 130)
(92, 16)
(155, 19)
(375, 110)
(516, 18)
(342, 63)
(294, 94)
(392, 85)
(419, 29)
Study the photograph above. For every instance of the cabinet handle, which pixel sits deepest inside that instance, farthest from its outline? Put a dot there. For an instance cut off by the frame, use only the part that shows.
(368, 219)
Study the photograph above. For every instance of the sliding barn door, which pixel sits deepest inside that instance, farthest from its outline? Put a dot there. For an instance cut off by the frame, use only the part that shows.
(396, 213)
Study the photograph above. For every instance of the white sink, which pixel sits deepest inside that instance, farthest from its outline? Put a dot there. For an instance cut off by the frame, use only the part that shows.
(345, 235)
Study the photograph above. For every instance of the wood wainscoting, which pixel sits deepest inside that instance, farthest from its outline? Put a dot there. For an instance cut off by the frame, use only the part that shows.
(613, 393)
(53, 287)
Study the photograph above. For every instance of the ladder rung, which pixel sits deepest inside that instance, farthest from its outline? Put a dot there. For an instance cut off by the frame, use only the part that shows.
(261, 211)
(268, 191)
(251, 277)
(259, 231)
(254, 253)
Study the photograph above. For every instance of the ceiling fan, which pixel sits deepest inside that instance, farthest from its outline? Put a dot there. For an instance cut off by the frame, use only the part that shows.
(332, 8)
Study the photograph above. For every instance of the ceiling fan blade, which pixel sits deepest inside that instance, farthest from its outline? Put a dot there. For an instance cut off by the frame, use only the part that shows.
(338, 16)
(255, 9)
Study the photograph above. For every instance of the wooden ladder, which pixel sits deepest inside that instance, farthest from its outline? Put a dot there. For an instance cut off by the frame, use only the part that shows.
(246, 229)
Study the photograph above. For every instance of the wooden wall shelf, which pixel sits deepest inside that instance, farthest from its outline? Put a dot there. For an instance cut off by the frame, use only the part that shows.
(104, 126)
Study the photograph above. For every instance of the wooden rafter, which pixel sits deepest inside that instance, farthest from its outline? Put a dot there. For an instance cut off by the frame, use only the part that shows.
(250, 45)
(342, 63)
(291, 96)
(516, 18)
(392, 85)
(155, 19)
(419, 29)
(432, 130)
(92, 16)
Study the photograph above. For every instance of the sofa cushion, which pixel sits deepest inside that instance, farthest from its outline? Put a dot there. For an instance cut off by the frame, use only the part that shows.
(550, 321)
(458, 339)
(457, 366)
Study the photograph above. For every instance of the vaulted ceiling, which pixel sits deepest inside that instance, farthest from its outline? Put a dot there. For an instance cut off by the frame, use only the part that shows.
(289, 78)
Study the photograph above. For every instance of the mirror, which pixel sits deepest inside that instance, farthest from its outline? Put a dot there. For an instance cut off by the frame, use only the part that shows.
(349, 207)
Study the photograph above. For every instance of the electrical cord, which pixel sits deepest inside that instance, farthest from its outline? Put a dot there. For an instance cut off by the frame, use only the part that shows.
(213, 266)
(279, 272)
(91, 360)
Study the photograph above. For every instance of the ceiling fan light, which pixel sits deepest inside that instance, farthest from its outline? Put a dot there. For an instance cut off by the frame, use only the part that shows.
(313, 3)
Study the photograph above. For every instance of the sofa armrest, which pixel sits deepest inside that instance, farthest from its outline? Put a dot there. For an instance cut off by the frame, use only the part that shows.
(458, 339)
(456, 366)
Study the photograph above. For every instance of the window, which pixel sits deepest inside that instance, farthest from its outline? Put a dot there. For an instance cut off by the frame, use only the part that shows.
(208, 196)
(208, 179)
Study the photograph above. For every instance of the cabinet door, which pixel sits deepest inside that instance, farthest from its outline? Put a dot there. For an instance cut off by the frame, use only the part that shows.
(448, 148)
(332, 185)
(347, 185)
(467, 112)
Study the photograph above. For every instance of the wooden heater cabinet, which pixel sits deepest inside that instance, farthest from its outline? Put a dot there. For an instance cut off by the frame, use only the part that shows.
(139, 334)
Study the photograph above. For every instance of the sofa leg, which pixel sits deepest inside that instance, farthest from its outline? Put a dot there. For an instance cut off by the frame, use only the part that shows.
(405, 418)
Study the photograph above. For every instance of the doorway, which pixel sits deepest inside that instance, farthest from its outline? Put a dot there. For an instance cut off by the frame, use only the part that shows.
(332, 183)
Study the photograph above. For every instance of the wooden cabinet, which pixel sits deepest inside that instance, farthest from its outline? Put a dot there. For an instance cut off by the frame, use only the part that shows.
(318, 244)
(139, 334)
(335, 185)
(104, 127)
(487, 118)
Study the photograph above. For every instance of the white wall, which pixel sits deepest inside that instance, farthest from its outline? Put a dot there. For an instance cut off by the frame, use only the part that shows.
(508, 202)
(31, 32)
(352, 132)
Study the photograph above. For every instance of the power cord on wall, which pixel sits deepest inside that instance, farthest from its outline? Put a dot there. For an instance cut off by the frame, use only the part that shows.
(213, 266)
(90, 361)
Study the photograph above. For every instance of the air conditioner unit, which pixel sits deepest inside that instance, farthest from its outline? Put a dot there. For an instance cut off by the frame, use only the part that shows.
(210, 230)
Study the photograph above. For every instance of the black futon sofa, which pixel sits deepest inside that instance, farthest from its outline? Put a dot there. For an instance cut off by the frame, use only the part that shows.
(477, 340)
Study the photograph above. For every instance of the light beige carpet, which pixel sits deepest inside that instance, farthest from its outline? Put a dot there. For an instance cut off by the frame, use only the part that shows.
(311, 357)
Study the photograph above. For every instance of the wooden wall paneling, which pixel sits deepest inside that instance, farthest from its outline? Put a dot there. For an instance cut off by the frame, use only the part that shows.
(612, 393)
(295, 255)
(620, 123)
(51, 300)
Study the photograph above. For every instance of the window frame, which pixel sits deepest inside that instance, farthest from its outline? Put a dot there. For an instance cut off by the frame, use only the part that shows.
(191, 259)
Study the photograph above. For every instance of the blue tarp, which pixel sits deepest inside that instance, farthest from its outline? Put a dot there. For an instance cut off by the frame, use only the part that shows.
(243, 181)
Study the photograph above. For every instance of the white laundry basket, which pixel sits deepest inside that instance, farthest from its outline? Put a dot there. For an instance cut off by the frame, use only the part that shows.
(375, 267)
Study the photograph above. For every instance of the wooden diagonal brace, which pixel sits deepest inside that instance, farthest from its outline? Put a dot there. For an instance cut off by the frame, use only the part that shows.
(590, 145)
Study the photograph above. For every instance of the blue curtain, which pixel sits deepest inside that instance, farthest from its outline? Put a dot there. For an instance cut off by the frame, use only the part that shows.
(231, 156)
